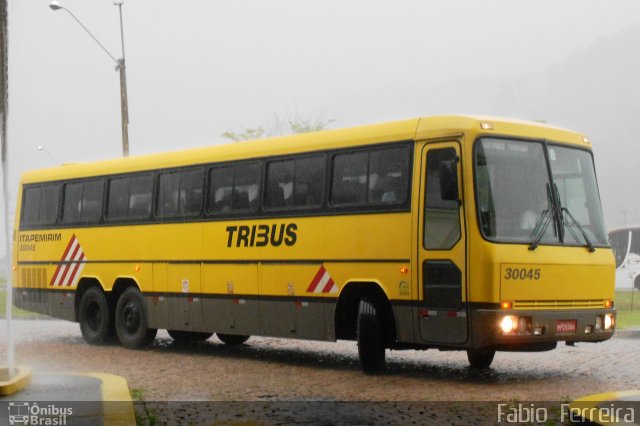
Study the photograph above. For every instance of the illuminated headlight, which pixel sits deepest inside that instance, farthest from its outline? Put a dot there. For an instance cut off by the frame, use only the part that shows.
(508, 324)
(608, 322)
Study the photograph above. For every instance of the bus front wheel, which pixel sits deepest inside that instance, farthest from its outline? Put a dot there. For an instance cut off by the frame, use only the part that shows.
(232, 339)
(371, 348)
(93, 316)
(480, 358)
(131, 320)
(188, 336)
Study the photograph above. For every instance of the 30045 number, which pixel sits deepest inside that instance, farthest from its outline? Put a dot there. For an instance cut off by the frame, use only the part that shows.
(521, 274)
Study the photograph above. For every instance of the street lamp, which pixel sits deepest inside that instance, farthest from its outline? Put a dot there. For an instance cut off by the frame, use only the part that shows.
(46, 151)
(120, 66)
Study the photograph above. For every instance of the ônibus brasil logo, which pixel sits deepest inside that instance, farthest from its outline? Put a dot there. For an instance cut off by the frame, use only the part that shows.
(25, 413)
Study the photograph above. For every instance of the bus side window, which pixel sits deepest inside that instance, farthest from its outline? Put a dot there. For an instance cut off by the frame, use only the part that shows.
(380, 176)
(140, 197)
(388, 176)
(309, 182)
(349, 183)
(82, 202)
(297, 183)
(180, 193)
(279, 184)
(234, 189)
(40, 206)
(191, 192)
(168, 194)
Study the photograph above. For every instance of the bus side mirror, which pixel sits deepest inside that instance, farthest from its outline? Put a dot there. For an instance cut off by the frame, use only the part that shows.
(449, 181)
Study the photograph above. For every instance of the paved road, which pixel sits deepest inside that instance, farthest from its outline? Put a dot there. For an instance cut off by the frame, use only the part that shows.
(289, 370)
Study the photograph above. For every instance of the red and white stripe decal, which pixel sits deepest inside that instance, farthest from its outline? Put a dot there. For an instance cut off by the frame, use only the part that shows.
(322, 283)
(70, 265)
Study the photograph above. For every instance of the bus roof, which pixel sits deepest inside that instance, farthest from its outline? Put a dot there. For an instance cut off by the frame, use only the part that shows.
(412, 129)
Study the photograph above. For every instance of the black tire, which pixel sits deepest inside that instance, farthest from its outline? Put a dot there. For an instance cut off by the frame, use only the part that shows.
(188, 336)
(480, 358)
(371, 343)
(131, 320)
(232, 339)
(94, 318)
(636, 282)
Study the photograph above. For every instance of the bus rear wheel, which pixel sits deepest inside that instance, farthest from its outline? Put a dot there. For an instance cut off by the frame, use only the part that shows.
(188, 336)
(93, 315)
(371, 348)
(480, 358)
(232, 339)
(131, 320)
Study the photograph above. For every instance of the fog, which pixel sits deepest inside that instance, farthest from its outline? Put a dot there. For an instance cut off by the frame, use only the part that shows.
(196, 69)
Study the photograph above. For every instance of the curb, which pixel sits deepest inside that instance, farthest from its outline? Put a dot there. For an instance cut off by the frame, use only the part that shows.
(117, 405)
(89, 397)
(11, 385)
(600, 409)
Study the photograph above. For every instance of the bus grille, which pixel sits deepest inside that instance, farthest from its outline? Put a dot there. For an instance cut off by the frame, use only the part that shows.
(34, 277)
(558, 304)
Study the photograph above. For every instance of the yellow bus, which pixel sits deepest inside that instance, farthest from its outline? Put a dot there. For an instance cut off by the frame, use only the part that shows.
(453, 232)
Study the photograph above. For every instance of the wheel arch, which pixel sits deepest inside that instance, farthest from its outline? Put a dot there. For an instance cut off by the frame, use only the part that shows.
(346, 313)
(121, 284)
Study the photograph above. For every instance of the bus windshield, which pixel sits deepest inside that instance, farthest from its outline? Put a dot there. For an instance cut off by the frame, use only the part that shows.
(519, 201)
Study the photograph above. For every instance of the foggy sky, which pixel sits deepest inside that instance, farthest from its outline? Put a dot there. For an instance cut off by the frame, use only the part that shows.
(196, 69)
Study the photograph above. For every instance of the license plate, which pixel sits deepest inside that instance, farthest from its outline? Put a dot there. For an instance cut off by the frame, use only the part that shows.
(566, 326)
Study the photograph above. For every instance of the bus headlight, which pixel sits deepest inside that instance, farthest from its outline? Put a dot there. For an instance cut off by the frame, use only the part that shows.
(608, 321)
(508, 324)
(599, 321)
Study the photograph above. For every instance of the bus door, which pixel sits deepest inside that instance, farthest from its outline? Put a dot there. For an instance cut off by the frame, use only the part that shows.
(442, 312)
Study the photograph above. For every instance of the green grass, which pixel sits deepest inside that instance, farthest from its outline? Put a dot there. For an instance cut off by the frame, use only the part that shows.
(628, 305)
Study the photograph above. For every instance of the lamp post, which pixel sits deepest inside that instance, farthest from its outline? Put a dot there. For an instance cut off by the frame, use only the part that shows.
(120, 66)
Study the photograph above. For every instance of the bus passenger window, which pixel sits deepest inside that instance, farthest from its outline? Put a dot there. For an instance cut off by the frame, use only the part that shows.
(349, 184)
(374, 178)
(388, 176)
(309, 182)
(129, 198)
(234, 189)
(279, 184)
(41, 205)
(82, 202)
(220, 188)
(295, 183)
(140, 197)
(92, 201)
(180, 193)
(191, 192)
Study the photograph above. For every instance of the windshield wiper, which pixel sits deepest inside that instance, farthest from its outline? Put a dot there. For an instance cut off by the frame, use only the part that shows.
(574, 222)
(543, 223)
(540, 229)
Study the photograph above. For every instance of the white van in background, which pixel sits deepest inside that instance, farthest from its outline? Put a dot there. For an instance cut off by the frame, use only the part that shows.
(626, 248)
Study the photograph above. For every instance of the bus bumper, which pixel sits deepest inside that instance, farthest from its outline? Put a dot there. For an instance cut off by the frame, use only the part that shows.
(537, 330)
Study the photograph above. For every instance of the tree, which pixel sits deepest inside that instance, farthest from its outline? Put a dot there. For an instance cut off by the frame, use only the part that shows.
(296, 125)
